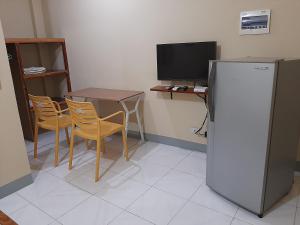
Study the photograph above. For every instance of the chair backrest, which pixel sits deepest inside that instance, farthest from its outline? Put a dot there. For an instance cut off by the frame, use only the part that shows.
(43, 107)
(83, 114)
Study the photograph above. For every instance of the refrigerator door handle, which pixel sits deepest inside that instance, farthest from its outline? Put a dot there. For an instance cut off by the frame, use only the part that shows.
(211, 87)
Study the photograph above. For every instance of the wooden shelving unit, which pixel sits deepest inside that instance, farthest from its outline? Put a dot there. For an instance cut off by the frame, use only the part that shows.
(17, 63)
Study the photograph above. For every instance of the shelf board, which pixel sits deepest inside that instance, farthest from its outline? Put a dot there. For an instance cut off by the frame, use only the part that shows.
(33, 40)
(50, 73)
(188, 91)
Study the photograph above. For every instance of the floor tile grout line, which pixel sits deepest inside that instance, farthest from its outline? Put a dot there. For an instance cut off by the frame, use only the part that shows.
(233, 218)
(211, 209)
(131, 178)
(150, 187)
(35, 206)
(169, 193)
(49, 172)
(113, 204)
(28, 203)
(62, 140)
(75, 206)
(171, 168)
(123, 210)
(108, 202)
(188, 172)
(178, 211)
(127, 208)
(188, 201)
(33, 183)
(295, 215)
(149, 155)
(199, 177)
(188, 155)
(56, 222)
(94, 194)
(139, 217)
(153, 187)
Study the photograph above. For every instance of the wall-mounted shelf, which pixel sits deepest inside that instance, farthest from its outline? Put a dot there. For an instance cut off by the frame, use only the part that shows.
(161, 88)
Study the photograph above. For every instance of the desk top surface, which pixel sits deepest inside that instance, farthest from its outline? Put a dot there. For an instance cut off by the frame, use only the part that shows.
(104, 94)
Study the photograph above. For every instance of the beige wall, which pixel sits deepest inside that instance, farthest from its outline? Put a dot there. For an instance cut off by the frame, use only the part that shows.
(16, 16)
(22, 18)
(13, 159)
(111, 43)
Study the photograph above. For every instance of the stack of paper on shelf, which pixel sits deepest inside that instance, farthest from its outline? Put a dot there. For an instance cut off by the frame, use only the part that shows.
(34, 70)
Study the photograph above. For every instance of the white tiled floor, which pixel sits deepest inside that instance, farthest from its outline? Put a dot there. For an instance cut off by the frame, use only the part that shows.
(161, 185)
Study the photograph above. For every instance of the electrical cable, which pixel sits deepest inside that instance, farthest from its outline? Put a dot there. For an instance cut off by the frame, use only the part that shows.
(205, 119)
(203, 123)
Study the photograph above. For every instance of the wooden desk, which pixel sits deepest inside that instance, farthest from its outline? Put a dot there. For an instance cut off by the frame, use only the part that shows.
(120, 96)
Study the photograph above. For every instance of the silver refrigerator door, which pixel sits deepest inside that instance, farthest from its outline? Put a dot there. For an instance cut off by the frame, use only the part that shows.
(240, 102)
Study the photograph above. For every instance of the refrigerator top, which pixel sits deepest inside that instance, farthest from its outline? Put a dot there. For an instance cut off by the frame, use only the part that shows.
(251, 60)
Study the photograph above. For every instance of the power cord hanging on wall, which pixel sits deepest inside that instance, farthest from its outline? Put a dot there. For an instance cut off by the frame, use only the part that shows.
(198, 132)
(202, 126)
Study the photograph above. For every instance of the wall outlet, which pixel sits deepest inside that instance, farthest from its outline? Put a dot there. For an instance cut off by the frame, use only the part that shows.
(193, 129)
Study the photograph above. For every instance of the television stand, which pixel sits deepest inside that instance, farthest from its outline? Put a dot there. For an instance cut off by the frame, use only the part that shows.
(201, 94)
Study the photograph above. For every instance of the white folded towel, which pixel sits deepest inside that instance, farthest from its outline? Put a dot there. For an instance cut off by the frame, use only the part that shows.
(34, 70)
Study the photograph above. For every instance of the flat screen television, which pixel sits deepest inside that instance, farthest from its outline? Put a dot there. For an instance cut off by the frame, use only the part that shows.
(185, 61)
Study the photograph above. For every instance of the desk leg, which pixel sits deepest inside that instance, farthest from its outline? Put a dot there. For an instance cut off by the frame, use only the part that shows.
(127, 114)
(136, 111)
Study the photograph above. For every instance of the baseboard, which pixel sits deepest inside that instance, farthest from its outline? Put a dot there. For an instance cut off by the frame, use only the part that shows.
(15, 185)
(171, 141)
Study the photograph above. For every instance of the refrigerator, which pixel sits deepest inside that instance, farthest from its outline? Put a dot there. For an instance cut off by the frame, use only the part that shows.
(253, 130)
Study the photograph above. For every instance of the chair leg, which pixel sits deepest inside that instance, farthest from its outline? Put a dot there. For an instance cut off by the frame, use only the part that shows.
(87, 144)
(36, 137)
(103, 145)
(56, 148)
(67, 136)
(124, 137)
(97, 176)
(71, 151)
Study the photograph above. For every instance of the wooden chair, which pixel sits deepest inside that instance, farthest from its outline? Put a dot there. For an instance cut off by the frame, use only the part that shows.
(48, 115)
(87, 124)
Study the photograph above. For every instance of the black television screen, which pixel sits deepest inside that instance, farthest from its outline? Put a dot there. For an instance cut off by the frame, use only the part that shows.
(185, 61)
